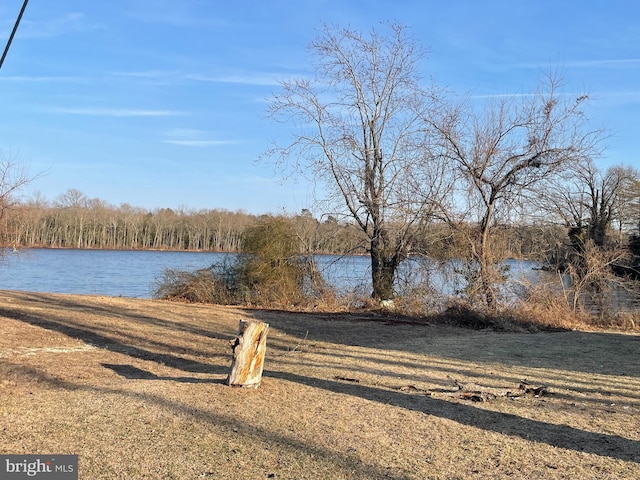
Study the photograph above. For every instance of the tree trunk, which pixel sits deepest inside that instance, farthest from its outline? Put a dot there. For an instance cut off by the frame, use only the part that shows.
(249, 349)
(488, 275)
(384, 263)
(382, 274)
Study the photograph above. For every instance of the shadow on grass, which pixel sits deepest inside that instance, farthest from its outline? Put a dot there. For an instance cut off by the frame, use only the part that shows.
(134, 373)
(588, 352)
(270, 440)
(383, 365)
(67, 303)
(71, 329)
(561, 436)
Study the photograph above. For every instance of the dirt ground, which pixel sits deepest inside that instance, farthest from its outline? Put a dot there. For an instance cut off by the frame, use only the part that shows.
(137, 389)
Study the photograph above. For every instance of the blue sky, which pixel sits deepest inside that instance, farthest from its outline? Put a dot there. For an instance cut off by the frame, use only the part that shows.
(162, 103)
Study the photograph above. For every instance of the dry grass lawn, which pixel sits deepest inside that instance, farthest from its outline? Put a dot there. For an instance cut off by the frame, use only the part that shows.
(136, 389)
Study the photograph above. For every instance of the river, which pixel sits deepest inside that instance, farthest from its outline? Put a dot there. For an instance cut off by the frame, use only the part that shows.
(131, 273)
(135, 273)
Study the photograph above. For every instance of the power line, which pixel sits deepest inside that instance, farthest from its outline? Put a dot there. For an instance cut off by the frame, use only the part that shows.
(13, 32)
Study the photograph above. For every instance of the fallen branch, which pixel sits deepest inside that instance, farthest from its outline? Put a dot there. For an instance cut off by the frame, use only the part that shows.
(296, 348)
(479, 393)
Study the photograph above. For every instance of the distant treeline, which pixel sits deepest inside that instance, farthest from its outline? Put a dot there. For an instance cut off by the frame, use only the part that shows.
(73, 221)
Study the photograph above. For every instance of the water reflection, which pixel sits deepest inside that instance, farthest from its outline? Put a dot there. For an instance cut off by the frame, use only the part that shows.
(135, 273)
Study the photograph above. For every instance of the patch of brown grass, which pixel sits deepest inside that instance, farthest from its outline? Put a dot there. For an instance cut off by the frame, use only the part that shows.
(546, 308)
(136, 388)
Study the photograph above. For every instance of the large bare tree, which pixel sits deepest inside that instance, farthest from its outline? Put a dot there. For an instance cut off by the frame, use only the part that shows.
(13, 177)
(626, 180)
(359, 132)
(589, 201)
(503, 151)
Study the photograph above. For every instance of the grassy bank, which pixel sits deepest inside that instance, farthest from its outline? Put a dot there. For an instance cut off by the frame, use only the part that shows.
(136, 389)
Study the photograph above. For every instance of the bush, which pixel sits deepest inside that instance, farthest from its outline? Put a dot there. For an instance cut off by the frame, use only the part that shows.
(215, 284)
(270, 272)
(270, 269)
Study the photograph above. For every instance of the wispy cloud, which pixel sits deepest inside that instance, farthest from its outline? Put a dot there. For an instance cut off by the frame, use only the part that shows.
(185, 132)
(622, 62)
(150, 74)
(620, 98)
(170, 76)
(601, 63)
(114, 112)
(501, 95)
(85, 165)
(43, 79)
(159, 15)
(150, 77)
(189, 137)
(198, 143)
(54, 27)
(599, 97)
(515, 95)
(260, 78)
(169, 12)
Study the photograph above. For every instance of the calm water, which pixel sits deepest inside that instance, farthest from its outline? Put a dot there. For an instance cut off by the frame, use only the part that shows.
(129, 273)
(135, 273)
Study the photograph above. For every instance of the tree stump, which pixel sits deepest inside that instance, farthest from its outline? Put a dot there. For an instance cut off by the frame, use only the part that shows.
(249, 349)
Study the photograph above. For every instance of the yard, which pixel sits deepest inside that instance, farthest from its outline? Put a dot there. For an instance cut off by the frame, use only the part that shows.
(137, 389)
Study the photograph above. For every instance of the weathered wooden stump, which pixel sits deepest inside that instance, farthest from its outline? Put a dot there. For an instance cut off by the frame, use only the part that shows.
(249, 349)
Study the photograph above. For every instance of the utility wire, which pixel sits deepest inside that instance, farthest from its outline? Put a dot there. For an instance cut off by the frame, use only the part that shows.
(13, 32)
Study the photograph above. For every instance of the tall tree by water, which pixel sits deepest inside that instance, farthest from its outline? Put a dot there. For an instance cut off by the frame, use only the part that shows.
(358, 131)
(504, 151)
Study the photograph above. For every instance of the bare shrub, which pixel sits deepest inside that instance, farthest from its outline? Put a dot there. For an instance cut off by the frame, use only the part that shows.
(462, 314)
(553, 305)
(419, 287)
(216, 284)
(270, 273)
(592, 280)
(546, 304)
(629, 321)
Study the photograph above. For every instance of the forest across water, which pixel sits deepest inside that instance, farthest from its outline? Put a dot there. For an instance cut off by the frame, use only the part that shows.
(75, 221)
(80, 245)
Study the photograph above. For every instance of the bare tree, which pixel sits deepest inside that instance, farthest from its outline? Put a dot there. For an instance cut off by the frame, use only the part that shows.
(13, 177)
(627, 210)
(502, 152)
(359, 132)
(72, 198)
(589, 201)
